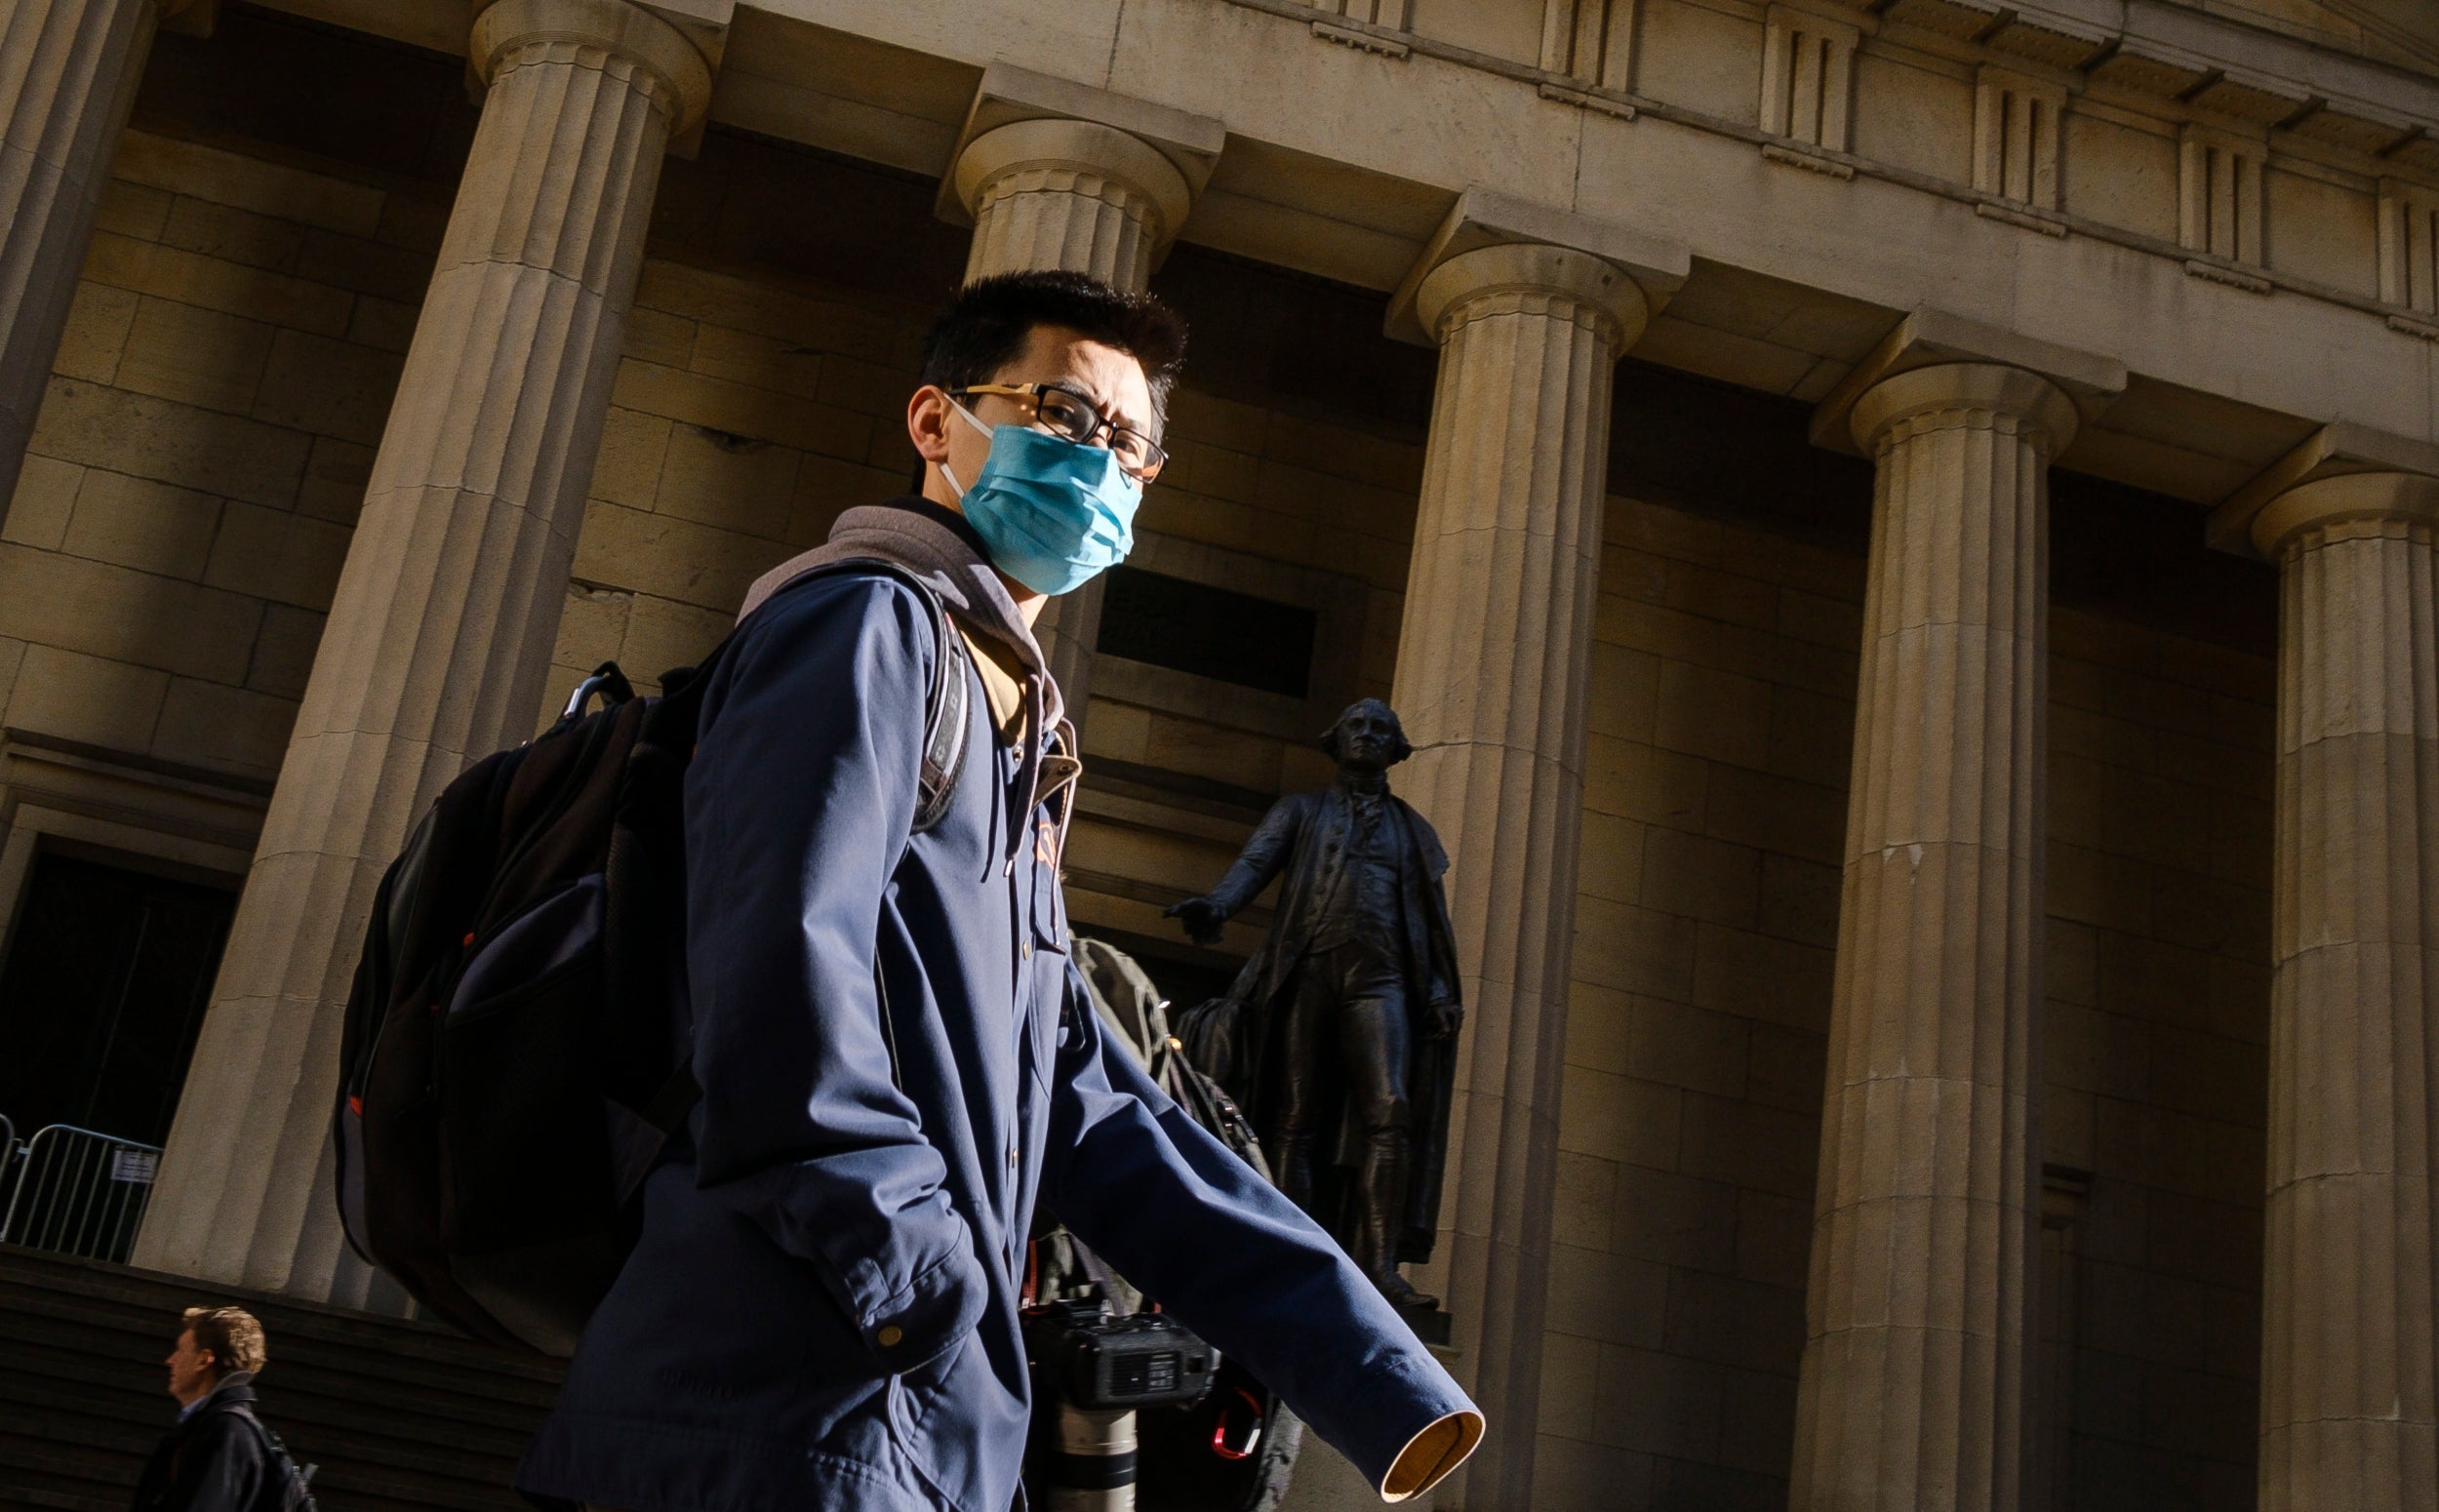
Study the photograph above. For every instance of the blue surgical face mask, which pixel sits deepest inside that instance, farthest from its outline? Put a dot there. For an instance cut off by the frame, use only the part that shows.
(1055, 512)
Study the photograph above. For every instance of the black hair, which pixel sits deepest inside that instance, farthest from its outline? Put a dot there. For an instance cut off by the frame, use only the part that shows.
(986, 327)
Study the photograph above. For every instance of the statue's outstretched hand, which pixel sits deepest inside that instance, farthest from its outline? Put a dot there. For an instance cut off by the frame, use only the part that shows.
(1446, 1019)
(1201, 917)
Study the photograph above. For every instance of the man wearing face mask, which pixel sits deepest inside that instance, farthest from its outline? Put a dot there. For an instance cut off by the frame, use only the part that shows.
(897, 1058)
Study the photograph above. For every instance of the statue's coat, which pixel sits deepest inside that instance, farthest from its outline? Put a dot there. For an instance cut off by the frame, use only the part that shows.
(1305, 835)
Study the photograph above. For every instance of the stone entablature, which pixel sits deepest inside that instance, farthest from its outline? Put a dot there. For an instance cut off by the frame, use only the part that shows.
(2199, 196)
(2219, 97)
(2409, 251)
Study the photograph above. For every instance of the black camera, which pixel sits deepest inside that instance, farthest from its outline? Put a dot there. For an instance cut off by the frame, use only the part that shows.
(1102, 1363)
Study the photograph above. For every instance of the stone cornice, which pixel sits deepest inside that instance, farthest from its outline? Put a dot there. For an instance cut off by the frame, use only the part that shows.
(2362, 105)
(2409, 137)
(212, 807)
(2170, 54)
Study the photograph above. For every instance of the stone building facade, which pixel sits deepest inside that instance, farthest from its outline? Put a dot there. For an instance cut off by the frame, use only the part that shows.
(1903, 531)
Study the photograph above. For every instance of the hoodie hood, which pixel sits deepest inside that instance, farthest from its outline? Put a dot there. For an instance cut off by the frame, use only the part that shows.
(937, 545)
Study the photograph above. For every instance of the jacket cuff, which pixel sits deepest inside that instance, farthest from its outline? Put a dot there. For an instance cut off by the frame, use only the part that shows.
(1433, 1456)
(1421, 1427)
(933, 1311)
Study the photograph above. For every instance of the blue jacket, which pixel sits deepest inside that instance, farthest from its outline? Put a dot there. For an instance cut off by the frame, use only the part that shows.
(821, 1310)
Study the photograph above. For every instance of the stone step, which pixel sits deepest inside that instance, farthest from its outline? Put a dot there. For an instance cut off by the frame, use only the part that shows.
(349, 1400)
(400, 1416)
(114, 1348)
(304, 1423)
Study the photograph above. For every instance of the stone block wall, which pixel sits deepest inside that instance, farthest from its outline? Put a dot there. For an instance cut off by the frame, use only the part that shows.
(748, 413)
(1715, 805)
(195, 478)
(2155, 1125)
(1722, 713)
(1265, 481)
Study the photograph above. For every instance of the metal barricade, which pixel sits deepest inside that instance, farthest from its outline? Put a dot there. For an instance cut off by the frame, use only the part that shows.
(9, 1151)
(80, 1192)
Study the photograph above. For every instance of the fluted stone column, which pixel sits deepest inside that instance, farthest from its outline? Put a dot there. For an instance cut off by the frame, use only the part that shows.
(68, 71)
(441, 631)
(2347, 1413)
(1491, 670)
(1919, 1302)
(1051, 193)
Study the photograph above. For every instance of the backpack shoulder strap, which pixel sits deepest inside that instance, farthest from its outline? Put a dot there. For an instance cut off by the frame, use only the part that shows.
(293, 1484)
(945, 705)
(943, 718)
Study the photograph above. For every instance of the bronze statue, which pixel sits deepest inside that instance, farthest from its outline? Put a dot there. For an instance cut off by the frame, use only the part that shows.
(1340, 1037)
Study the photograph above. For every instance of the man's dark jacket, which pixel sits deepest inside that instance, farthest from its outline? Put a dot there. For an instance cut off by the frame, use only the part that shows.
(821, 1310)
(1307, 836)
(214, 1460)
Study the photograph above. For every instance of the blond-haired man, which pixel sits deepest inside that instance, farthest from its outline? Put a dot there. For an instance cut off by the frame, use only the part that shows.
(219, 1457)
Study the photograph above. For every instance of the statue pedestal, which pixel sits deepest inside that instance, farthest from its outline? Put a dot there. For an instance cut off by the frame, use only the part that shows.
(1430, 1325)
(1326, 1482)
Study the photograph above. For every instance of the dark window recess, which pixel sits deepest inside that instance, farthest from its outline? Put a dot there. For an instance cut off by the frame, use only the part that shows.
(1210, 632)
(102, 995)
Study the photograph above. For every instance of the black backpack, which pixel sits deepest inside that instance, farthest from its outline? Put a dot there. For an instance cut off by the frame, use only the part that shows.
(285, 1488)
(515, 1048)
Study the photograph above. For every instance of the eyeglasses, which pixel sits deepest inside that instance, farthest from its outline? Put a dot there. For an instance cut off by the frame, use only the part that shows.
(1063, 411)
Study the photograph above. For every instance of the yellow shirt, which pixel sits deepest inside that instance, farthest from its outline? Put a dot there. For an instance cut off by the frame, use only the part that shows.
(1003, 684)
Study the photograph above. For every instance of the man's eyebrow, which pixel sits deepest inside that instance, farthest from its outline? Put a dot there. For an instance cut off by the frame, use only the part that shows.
(1141, 425)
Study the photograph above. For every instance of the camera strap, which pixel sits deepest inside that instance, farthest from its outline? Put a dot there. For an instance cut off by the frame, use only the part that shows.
(1102, 1276)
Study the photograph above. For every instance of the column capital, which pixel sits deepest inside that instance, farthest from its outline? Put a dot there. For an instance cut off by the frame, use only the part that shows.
(1165, 154)
(1059, 145)
(2031, 397)
(678, 71)
(2257, 519)
(2084, 381)
(1493, 242)
(1494, 277)
(2408, 497)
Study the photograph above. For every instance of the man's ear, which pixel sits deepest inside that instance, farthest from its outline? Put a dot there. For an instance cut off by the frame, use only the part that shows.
(926, 424)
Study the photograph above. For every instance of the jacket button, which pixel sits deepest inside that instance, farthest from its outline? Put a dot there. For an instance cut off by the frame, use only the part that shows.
(889, 1336)
(1012, 1157)
(1025, 950)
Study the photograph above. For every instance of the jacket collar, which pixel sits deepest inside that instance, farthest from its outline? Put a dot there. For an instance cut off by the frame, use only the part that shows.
(236, 1389)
